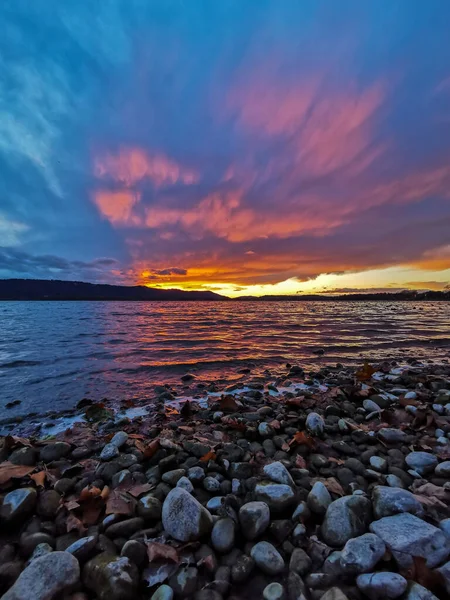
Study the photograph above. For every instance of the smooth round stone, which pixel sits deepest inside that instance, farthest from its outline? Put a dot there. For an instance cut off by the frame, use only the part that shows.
(381, 585)
(111, 577)
(278, 496)
(172, 477)
(215, 503)
(362, 553)
(394, 481)
(278, 473)
(315, 424)
(346, 518)
(222, 535)
(196, 475)
(371, 406)
(443, 469)
(211, 484)
(388, 501)
(378, 463)
(164, 592)
(267, 558)
(184, 518)
(265, 430)
(319, 498)
(109, 452)
(421, 462)
(184, 483)
(274, 591)
(18, 504)
(149, 507)
(83, 547)
(135, 551)
(119, 439)
(254, 518)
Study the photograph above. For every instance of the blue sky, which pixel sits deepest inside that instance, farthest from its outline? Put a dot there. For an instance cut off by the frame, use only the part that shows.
(236, 145)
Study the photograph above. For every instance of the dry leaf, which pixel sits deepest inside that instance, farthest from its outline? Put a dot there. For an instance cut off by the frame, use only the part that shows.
(228, 403)
(119, 503)
(71, 505)
(275, 424)
(138, 490)
(365, 373)
(39, 478)
(157, 551)
(88, 493)
(74, 524)
(302, 438)
(170, 411)
(9, 471)
(234, 423)
(208, 456)
(334, 486)
(151, 448)
(297, 401)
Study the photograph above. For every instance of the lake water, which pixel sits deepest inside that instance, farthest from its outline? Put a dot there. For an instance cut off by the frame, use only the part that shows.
(53, 354)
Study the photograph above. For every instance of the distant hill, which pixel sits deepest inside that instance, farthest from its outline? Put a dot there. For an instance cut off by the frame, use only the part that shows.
(42, 289)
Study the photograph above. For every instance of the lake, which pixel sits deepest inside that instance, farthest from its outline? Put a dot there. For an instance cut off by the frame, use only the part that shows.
(53, 354)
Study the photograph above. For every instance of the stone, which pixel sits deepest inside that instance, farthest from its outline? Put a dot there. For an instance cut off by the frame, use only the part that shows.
(54, 451)
(172, 477)
(319, 498)
(119, 439)
(18, 504)
(208, 594)
(125, 528)
(23, 456)
(109, 452)
(83, 548)
(278, 473)
(361, 554)
(277, 496)
(407, 534)
(300, 562)
(391, 435)
(421, 462)
(242, 569)
(241, 470)
(211, 484)
(149, 508)
(265, 430)
(378, 463)
(371, 406)
(40, 550)
(443, 469)
(274, 591)
(346, 518)
(334, 594)
(381, 585)
(184, 483)
(48, 504)
(222, 535)
(164, 592)
(184, 581)
(267, 558)
(315, 424)
(394, 481)
(135, 551)
(111, 577)
(196, 475)
(388, 501)
(254, 518)
(46, 578)
(415, 591)
(184, 518)
(28, 542)
(215, 503)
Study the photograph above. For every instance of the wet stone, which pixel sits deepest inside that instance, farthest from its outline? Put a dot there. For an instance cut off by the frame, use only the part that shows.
(48, 504)
(83, 548)
(23, 456)
(222, 535)
(149, 507)
(109, 452)
(278, 473)
(125, 528)
(18, 504)
(421, 462)
(274, 591)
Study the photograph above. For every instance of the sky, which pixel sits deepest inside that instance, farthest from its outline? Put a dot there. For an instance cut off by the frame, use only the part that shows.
(239, 146)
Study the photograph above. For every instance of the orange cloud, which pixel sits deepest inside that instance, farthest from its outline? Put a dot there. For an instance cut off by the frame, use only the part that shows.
(131, 165)
(117, 207)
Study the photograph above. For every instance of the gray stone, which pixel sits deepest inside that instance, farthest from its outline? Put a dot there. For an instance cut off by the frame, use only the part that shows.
(444, 525)
(111, 577)
(149, 507)
(274, 591)
(278, 496)
(172, 477)
(267, 558)
(164, 592)
(444, 571)
(265, 430)
(184, 581)
(378, 463)
(421, 462)
(371, 406)
(109, 452)
(83, 548)
(23, 456)
(29, 541)
(278, 473)
(196, 475)
(215, 503)
(40, 550)
(119, 439)
(443, 469)
(319, 498)
(389, 501)
(334, 594)
(242, 569)
(391, 436)
(48, 504)
(315, 424)
(346, 518)
(394, 481)
(361, 554)
(415, 591)
(222, 535)
(381, 585)
(254, 518)
(54, 451)
(184, 518)
(18, 504)
(211, 484)
(135, 551)
(46, 578)
(125, 528)
(300, 562)
(407, 534)
(184, 483)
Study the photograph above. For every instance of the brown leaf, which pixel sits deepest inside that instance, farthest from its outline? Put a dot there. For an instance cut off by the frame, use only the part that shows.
(151, 448)
(408, 402)
(365, 373)
(297, 401)
(170, 411)
(334, 486)
(234, 424)
(137, 490)
(74, 524)
(39, 478)
(120, 503)
(88, 493)
(208, 456)
(285, 447)
(429, 578)
(228, 403)
(208, 562)
(302, 438)
(9, 471)
(157, 551)
(71, 505)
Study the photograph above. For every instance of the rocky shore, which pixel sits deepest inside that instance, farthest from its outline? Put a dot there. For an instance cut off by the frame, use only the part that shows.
(325, 485)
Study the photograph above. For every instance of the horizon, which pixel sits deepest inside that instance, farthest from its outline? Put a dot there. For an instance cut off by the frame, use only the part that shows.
(257, 149)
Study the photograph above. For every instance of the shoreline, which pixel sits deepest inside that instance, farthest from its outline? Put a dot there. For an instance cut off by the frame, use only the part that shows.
(273, 487)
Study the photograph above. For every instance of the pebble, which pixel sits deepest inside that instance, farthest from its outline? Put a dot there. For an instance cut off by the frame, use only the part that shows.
(46, 577)
(315, 424)
(149, 507)
(278, 473)
(164, 592)
(300, 562)
(172, 477)
(371, 406)
(381, 585)
(18, 504)
(346, 518)
(274, 591)
(184, 483)
(267, 558)
(109, 452)
(23, 456)
(334, 594)
(54, 451)
(184, 518)
(111, 577)
(277, 496)
(265, 430)
(119, 439)
(83, 548)
(254, 518)
(391, 436)
(222, 535)
(407, 534)
(135, 551)
(415, 591)
(378, 463)
(443, 469)
(125, 528)
(362, 553)
(184, 581)
(319, 498)
(388, 501)
(421, 462)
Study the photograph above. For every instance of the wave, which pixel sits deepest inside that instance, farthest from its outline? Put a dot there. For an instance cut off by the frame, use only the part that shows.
(20, 363)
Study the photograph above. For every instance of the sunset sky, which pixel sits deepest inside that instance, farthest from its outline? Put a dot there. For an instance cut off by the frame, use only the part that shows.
(239, 146)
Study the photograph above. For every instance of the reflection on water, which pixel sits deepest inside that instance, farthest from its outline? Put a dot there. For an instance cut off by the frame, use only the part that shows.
(52, 354)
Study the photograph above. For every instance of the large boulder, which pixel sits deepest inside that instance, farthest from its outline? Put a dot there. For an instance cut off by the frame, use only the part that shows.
(346, 518)
(184, 518)
(46, 578)
(407, 534)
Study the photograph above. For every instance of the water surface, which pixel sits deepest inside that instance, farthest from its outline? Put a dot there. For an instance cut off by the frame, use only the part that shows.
(52, 354)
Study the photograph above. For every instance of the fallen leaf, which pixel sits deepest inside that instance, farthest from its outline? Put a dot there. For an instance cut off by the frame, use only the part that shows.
(39, 478)
(138, 490)
(71, 505)
(208, 456)
(285, 447)
(430, 579)
(9, 471)
(228, 403)
(88, 493)
(157, 551)
(408, 402)
(302, 438)
(151, 448)
(365, 373)
(334, 486)
(170, 411)
(208, 562)
(120, 503)
(234, 423)
(74, 524)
